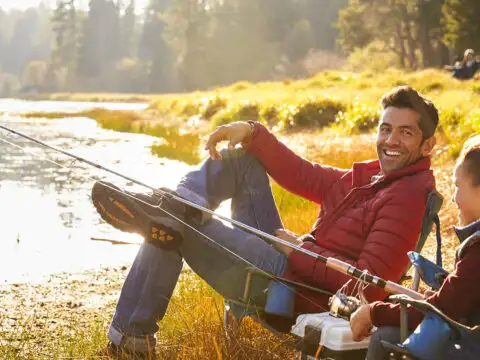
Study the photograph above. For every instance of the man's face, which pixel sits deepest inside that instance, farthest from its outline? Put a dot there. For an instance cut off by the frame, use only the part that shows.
(399, 139)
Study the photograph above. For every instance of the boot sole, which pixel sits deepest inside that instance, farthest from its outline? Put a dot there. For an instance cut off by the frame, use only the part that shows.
(129, 216)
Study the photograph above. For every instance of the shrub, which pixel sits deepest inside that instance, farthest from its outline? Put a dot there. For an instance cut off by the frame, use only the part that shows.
(240, 86)
(269, 114)
(358, 118)
(213, 104)
(176, 146)
(476, 88)
(456, 127)
(114, 120)
(236, 112)
(433, 86)
(311, 112)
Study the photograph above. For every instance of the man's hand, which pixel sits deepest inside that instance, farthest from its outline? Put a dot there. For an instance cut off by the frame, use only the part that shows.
(234, 133)
(289, 236)
(361, 323)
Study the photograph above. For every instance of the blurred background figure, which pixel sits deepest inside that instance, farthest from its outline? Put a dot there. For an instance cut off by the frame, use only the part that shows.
(467, 67)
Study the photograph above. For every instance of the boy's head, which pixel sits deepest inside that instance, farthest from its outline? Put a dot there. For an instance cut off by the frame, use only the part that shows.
(406, 128)
(467, 182)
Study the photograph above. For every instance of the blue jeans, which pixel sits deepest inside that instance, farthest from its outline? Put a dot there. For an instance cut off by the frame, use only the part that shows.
(467, 348)
(151, 280)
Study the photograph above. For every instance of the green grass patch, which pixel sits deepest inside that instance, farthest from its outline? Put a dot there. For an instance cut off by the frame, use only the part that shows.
(298, 214)
(175, 145)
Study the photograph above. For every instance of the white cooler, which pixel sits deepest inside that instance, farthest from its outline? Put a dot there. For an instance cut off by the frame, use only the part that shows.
(322, 336)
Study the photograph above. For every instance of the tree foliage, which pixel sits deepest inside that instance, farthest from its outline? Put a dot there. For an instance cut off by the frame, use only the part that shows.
(184, 45)
(405, 27)
(462, 24)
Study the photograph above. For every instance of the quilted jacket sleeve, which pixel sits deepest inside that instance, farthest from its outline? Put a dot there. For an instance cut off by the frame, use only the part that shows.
(288, 169)
(395, 231)
(458, 297)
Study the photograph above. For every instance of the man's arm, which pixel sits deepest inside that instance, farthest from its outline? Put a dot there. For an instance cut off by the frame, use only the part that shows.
(291, 171)
(288, 169)
(394, 232)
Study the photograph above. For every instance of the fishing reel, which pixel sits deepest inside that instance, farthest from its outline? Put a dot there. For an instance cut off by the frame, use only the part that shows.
(343, 306)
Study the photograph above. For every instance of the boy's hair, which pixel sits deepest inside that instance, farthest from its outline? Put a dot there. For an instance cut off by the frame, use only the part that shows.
(408, 97)
(470, 157)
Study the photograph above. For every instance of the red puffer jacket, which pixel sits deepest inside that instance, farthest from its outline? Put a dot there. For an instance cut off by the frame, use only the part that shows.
(371, 225)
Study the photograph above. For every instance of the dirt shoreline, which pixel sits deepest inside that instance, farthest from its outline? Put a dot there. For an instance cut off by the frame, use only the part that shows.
(41, 312)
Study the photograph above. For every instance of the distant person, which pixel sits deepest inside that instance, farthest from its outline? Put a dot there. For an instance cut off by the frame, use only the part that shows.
(466, 68)
(370, 216)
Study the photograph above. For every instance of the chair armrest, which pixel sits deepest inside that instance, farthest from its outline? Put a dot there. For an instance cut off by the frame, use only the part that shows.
(432, 274)
(424, 307)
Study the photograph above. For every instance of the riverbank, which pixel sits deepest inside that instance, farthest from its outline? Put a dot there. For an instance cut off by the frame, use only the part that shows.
(68, 315)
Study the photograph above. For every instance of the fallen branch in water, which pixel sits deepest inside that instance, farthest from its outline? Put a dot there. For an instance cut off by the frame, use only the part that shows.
(116, 242)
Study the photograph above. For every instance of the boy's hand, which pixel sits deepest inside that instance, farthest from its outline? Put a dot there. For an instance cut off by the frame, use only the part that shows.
(361, 323)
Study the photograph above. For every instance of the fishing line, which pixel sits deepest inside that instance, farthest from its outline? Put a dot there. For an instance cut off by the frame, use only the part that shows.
(268, 275)
(186, 202)
(332, 263)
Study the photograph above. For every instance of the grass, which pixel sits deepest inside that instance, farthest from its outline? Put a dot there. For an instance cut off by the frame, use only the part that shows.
(347, 102)
(328, 118)
(174, 142)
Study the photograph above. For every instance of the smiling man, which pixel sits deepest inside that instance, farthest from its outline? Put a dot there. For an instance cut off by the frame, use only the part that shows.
(370, 216)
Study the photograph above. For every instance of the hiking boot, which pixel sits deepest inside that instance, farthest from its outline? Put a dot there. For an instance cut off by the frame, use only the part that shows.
(145, 214)
(119, 352)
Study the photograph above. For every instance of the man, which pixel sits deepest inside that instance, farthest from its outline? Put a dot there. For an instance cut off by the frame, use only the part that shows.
(370, 217)
(466, 69)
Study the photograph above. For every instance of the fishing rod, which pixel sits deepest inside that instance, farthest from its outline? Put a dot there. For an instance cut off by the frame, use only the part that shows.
(332, 263)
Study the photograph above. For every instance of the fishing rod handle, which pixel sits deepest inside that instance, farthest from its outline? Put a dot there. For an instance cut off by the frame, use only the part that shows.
(394, 288)
(388, 286)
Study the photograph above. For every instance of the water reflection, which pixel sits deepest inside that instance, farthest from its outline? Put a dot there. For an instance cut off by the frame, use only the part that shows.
(17, 106)
(46, 217)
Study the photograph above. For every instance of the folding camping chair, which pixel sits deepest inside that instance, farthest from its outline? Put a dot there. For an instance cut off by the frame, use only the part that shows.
(431, 338)
(309, 334)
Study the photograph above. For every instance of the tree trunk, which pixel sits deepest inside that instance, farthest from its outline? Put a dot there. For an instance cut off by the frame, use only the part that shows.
(423, 35)
(400, 44)
(405, 18)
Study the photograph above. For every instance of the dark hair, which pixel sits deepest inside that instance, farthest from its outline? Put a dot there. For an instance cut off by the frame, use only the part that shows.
(408, 97)
(470, 157)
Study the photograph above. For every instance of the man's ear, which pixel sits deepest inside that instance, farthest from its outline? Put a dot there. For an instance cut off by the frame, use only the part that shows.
(428, 145)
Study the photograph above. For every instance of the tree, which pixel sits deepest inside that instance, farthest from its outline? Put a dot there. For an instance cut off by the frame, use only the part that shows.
(128, 31)
(154, 50)
(20, 47)
(353, 31)
(34, 75)
(186, 32)
(462, 24)
(9, 85)
(65, 28)
(323, 16)
(405, 27)
(299, 41)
